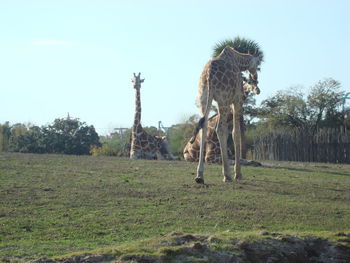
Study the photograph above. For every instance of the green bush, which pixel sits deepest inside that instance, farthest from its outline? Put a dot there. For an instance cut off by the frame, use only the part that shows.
(104, 150)
(67, 136)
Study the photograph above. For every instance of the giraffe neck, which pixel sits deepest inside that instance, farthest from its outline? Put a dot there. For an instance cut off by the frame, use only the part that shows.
(242, 61)
(137, 117)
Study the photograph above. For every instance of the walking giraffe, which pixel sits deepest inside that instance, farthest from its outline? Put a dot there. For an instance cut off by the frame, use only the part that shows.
(221, 80)
(144, 145)
(212, 150)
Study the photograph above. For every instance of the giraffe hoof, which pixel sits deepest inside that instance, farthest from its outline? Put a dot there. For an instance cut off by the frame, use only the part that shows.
(238, 177)
(199, 180)
(227, 179)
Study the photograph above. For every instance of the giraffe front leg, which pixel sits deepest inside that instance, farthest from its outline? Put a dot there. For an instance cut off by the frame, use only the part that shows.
(135, 154)
(159, 156)
(236, 135)
(221, 131)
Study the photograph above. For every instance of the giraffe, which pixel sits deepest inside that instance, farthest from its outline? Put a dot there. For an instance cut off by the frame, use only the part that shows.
(212, 149)
(144, 145)
(221, 80)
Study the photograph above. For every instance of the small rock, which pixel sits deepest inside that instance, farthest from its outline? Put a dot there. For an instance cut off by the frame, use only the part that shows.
(347, 240)
(93, 259)
(340, 234)
(197, 245)
(173, 233)
(213, 239)
(189, 237)
(289, 239)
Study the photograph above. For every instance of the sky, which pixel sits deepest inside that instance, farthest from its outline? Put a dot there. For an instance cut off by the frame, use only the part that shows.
(78, 56)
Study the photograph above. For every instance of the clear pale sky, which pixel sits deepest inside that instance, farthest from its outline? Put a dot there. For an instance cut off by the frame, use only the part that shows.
(78, 57)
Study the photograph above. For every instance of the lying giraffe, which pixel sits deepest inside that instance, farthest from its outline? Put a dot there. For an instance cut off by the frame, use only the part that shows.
(212, 150)
(144, 145)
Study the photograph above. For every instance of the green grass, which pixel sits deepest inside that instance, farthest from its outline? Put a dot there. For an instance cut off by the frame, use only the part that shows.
(52, 205)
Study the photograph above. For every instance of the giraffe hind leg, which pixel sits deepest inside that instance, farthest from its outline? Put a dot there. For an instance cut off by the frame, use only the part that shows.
(199, 178)
(204, 123)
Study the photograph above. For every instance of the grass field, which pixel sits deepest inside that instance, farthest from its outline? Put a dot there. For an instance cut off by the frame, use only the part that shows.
(52, 205)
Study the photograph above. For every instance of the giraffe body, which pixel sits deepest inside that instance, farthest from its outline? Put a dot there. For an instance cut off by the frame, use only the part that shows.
(144, 145)
(221, 80)
(212, 150)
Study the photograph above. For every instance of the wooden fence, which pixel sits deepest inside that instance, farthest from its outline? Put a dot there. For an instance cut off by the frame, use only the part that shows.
(326, 145)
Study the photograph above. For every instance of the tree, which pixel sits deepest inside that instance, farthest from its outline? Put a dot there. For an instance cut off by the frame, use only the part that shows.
(17, 130)
(70, 136)
(286, 109)
(250, 112)
(347, 117)
(116, 144)
(179, 134)
(325, 100)
(5, 134)
(31, 141)
(293, 109)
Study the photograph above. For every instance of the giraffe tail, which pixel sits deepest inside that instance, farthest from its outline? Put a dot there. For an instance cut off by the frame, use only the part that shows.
(197, 129)
(207, 98)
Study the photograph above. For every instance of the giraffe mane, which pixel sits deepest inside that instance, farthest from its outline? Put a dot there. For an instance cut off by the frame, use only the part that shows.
(239, 53)
(255, 55)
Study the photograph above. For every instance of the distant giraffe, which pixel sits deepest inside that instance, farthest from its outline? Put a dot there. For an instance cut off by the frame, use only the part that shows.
(212, 149)
(221, 81)
(144, 145)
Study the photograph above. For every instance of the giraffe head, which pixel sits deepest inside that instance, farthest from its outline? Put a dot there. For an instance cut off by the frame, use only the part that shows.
(253, 69)
(254, 64)
(251, 84)
(137, 81)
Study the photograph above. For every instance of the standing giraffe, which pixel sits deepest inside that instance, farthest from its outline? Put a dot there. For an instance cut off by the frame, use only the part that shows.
(144, 145)
(212, 150)
(221, 80)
